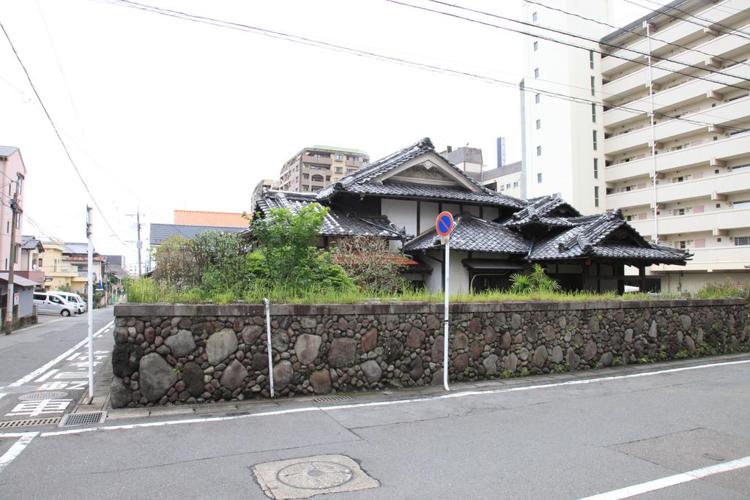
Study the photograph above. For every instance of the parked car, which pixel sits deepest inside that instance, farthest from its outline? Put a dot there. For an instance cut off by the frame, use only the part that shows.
(74, 298)
(51, 303)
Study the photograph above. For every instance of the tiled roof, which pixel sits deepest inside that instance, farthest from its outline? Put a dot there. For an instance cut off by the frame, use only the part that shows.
(592, 238)
(160, 232)
(474, 235)
(336, 223)
(364, 182)
(541, 210)
(30, 243)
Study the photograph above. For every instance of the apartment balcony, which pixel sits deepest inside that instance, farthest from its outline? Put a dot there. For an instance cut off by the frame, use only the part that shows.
(718, 13)
(701, 154)
(318, 160)
(713, 222)
(664, 70)
(667, 99)
(707, 187)
(712, 259)
(673, 129)
(61, 271)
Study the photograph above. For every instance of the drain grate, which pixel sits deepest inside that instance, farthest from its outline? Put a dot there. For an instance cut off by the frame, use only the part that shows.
(29, 422)
(38, 396)
(72, 419)
(337, 397)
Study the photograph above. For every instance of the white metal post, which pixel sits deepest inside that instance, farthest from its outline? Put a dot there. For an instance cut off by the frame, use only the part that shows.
(647, 25)
(446, 316)
(89, 234)
(269, 347)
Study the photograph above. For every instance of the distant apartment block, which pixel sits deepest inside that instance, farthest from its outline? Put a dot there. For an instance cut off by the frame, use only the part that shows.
(467, 159)
(316, 167)
(694, 192)
(13, 171)
(505, 179)
(264, 184)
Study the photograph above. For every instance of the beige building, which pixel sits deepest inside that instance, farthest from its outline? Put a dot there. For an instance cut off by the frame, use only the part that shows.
(506, 179)
(694, 193)
(316, 167)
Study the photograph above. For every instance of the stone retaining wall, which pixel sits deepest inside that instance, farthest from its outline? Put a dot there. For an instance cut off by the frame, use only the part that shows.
(200, 353)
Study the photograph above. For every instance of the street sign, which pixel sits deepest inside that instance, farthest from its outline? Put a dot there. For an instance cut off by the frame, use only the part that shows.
(444, 223)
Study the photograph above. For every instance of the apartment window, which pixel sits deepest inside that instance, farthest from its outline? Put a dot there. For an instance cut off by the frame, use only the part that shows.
(591, 59)
(596, 196)
(595, 141)
(536, 46)
(539, 151)
(593, 86)
(537, 98)
(538, 124)
(339, 170)
(536, 72)
(515, 184)
(534, 17)
(338, 156)
(596, 168)
(593, 112)
(628, 218)
(539, 177)
(740, 241)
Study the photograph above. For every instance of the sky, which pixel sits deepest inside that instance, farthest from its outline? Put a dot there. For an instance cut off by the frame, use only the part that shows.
(162, 114)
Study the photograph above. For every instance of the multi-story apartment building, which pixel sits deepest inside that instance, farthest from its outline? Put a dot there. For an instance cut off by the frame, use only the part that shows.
(563, 139)
(505, 179)
(13, 172)
(468, 159)
(692, 190)
(316, 167)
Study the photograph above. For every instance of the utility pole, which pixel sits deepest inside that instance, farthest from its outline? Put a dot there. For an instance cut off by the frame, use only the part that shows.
(15, 211)
(90, 235)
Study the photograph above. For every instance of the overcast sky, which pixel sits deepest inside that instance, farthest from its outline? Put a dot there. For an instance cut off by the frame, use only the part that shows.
(168, 114)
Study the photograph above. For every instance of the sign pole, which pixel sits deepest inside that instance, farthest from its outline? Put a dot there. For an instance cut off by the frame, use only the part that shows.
(90, 293)
(446, 314)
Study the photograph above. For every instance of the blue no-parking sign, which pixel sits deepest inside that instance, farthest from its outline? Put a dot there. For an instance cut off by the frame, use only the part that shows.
(444, 224)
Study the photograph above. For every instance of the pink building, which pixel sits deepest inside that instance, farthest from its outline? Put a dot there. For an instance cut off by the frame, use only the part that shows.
(12, 169)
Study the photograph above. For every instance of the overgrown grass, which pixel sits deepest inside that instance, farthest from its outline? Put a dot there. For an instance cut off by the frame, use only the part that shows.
(148, 291)
(723, 291)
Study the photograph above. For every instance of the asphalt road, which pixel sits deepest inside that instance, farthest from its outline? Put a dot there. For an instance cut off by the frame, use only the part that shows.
(564, 436)
(32, 362)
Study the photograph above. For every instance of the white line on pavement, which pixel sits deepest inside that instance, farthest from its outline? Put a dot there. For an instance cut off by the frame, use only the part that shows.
(53, 362)
(16, 449)
(47, 375)
(308, 409)
(665, 482)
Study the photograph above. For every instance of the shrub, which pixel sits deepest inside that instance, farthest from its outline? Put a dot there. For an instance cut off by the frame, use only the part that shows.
(724, 290)
(536, 281)
(372, 265)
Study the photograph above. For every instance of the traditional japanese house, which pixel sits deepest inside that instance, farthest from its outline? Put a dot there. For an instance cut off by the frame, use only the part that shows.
(398, 198)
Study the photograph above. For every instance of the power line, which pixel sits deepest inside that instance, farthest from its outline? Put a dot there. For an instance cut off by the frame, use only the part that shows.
(660, 10)
(374, 55)
(636, 32)
(59, 137)
(570, 44)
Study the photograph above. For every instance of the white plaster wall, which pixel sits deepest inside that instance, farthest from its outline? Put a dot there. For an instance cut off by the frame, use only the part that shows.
(459, 275)
(434, 282)
(427, 215)
(452, 208)
(401, 213)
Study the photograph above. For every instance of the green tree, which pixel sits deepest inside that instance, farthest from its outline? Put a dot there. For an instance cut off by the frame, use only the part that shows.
(287, 255)
(176, 265)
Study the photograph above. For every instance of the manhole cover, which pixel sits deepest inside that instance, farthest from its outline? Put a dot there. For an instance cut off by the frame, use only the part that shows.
(315, 475)
(311, 476)
(37, 396)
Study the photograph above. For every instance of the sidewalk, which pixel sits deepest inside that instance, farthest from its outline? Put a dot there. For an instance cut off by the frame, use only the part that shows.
(234, 408)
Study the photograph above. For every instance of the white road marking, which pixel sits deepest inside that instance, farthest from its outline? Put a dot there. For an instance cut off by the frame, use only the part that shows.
(72, 376)
(47, 375)
(427, 399)
(17, 447)
(666, 482)
(53, 362)
(39, 407)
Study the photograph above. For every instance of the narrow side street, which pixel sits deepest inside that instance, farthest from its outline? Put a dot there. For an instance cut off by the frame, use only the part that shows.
(44, 368)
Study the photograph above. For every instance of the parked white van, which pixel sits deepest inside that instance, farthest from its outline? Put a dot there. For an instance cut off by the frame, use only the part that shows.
(73, 298)
(51, 303)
